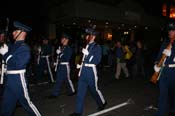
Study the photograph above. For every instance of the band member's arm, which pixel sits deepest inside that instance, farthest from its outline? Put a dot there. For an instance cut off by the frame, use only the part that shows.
(66, 56)
(19, 58)
(163, 46)
(95, 55)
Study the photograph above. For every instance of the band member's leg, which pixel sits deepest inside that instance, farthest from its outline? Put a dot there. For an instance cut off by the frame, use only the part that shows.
(8, 103)
(24, 98)
(69, 81)
(163, 97)
(81, 92)
(49, 70)
(59, 81)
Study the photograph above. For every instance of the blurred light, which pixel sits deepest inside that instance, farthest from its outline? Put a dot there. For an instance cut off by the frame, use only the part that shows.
(172, 15)
(89, 21)
(172, 10)
(82, 36)
(107, 23)
(164, 10)
(109, 36)
(146, 27)
(126, 33)
(94, 26)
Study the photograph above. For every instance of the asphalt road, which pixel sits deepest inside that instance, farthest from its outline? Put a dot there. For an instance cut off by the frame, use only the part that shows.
(117, 92)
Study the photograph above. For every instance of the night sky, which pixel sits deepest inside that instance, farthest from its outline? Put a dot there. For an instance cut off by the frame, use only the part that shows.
(35, 8)
(152, 7)
(34, 12)
(27, 11)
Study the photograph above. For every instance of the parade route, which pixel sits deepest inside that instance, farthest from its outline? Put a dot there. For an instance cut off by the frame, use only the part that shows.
(118, 93)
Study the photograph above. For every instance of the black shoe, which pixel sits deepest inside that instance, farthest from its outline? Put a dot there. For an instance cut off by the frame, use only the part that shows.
(71, 94)
(102, 107)
(52, 97)
(171, 114)
(75, 114)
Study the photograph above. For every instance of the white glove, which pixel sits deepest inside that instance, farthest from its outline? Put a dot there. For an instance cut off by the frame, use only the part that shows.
(4, 49)
(55, 63)
(58, 51)
(167, 52)
(156, 68)
(78, 66)
(85, 51)
(39, 49)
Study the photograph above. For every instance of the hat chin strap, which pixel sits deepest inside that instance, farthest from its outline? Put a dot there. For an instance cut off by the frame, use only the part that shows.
(90, 39)
(18, 35)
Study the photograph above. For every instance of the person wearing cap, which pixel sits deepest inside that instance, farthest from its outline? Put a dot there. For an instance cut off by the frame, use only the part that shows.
(17, 57)
(43, 63)
(64, 54)
(2, 36)
(88, 78)
(2, 41)
(166, 101)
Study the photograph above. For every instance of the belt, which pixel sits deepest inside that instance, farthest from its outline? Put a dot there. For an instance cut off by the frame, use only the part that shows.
(16, 71)
(64, 63)
(44, 56)
(170, 65)
(89, 65)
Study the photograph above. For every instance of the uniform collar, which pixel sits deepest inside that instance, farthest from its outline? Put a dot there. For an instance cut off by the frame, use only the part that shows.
(19, 41)
(92, 43)
(65, 45)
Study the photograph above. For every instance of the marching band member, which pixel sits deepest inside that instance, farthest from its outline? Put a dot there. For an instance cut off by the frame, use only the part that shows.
(63, 69)
(43, 60)
(88, 74)
(17, 57)
(167, 74)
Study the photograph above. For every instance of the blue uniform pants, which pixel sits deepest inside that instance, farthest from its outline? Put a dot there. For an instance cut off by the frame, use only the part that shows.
(62, 76)
(88, 82)
(41, 67)
(167, 94)
(16, 90)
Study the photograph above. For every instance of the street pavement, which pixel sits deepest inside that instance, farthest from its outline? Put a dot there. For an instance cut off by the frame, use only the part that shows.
(139, 90)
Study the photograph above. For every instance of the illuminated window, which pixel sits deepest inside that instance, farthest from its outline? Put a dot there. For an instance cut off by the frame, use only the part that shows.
(108, 34)
(164, 9)
(126, 33)
(172, 11)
